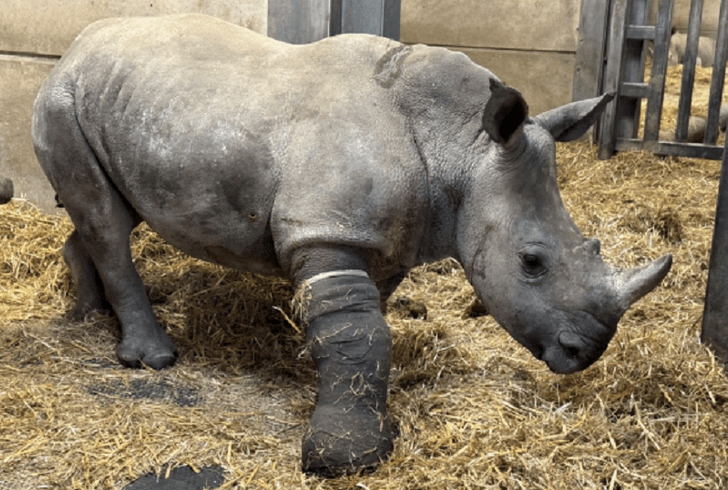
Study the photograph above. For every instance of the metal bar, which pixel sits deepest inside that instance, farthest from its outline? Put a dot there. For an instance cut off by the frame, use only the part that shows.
(628, 108)
(716, 82)
(378, 17)
(298, 21)
(607, 130)
(664, 148)
(392, 16)
(335, 24)
(365, 16)
(635, 90)
(714, 331)
(688, 73)
(644, 33)
(659, 70)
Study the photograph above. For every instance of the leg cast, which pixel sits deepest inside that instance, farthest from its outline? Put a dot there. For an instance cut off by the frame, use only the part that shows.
(351, 346)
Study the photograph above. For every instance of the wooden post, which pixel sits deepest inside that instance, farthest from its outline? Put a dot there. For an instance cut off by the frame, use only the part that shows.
(718, 77)
(715, 314)
(612, 73)
(590, 49)
(378, 17)
(688, 72)
(628, 108)
(298, 21)
(663, 25)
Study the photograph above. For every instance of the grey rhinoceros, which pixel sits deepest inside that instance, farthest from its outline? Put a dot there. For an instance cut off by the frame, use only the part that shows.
(6, 190)
(678, 47)
(339, 165)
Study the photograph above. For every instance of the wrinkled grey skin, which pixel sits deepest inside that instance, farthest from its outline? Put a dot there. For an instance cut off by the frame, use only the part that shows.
(355, 152)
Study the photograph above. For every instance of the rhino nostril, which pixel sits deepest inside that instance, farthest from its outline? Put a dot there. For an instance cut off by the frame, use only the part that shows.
(572, 352)
(593, 245)
(571, 343)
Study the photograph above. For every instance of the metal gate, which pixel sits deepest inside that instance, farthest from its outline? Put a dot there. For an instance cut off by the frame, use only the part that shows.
(624, 74)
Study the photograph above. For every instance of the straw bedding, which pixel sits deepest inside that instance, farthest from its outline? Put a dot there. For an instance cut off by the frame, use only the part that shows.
(473, 409)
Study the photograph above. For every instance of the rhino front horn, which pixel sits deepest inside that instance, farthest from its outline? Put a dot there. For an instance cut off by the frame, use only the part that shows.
(632, 284)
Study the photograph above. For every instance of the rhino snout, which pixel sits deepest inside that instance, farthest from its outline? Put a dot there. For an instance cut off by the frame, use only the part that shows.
(570, 352)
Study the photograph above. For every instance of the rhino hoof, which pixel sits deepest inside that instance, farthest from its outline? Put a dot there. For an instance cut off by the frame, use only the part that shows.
(157, 356)
(338, 450)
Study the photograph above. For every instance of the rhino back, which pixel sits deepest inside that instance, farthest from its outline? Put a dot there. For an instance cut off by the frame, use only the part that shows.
(235, 147)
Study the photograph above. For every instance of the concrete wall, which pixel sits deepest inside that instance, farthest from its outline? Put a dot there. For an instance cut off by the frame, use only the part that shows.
(529, 44)
(681, 14)
(33, 34)
(711, 11)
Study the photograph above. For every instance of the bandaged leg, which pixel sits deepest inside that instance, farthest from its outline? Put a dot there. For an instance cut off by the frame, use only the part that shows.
(351, 346)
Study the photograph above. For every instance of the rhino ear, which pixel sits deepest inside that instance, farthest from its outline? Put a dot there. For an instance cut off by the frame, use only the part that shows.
(505, 112)
(570, 121)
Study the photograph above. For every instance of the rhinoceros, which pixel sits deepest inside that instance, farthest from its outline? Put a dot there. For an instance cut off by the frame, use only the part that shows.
(6, 190)
(340, 165)
(678, 46)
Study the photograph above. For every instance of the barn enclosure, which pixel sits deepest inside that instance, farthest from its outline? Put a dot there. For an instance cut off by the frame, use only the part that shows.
(472, 408)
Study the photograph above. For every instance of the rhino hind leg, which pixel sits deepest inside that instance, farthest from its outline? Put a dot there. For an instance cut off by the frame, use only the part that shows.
(100, 244)
(90, 296)
(351, 346)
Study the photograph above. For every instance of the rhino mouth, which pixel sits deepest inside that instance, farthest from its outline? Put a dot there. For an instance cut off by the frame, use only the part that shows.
(568, 352)
(560, 361)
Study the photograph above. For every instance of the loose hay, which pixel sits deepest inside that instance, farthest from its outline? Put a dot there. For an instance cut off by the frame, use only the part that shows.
(472, 407)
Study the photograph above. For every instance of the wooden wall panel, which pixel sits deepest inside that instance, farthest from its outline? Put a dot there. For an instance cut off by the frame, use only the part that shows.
(544, 79)
(47, 27)
(20, 79)
(539, 25)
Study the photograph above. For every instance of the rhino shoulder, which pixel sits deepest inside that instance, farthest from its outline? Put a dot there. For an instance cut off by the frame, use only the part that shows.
(446, 86)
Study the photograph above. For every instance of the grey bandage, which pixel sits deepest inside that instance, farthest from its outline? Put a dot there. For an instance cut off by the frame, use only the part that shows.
(351, 346)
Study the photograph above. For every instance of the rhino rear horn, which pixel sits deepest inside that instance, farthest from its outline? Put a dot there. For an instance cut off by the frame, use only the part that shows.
(570, 121)
(505, 112)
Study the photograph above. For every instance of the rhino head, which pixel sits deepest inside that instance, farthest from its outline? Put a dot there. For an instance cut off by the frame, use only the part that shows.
(544, 282)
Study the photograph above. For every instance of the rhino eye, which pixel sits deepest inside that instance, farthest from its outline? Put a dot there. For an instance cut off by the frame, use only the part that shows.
(532, 264)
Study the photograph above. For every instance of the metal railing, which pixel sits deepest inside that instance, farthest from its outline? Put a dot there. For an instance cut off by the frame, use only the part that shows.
(629, 37)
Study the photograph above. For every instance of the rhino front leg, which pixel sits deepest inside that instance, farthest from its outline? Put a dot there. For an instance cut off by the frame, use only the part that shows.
(351, 346)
